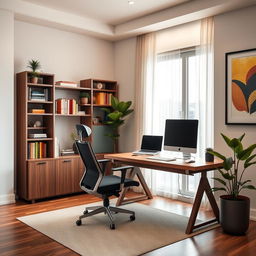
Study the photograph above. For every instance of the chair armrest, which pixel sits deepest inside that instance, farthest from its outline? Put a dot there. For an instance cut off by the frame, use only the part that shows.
(123, 170)
(103, 163)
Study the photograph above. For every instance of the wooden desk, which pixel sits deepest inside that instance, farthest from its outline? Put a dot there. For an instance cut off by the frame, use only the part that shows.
(177, 166)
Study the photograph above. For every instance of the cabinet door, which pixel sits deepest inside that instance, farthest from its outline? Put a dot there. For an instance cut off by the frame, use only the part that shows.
(65, 175)
(79, 174)
(41, 179)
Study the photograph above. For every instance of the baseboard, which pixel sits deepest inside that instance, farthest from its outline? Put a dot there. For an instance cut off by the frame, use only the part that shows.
(7, 199)
(253, 214)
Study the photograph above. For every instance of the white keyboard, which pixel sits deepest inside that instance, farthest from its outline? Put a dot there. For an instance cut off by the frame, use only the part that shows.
(161, 158)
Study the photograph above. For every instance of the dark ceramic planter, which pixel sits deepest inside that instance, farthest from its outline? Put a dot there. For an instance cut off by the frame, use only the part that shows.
(234, 214)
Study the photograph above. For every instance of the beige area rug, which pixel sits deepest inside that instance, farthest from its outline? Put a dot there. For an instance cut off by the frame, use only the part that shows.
(152, 229)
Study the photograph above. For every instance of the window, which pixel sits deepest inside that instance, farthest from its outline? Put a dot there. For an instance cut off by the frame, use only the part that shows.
(175, 95)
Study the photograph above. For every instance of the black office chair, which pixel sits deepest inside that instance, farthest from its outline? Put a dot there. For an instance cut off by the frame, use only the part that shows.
(95, 182)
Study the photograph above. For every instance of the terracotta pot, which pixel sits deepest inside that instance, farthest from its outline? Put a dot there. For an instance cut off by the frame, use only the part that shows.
(34, 80)
(234, 214)
(84, 100)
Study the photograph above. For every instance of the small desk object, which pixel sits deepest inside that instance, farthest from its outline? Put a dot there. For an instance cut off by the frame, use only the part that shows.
(178, 166)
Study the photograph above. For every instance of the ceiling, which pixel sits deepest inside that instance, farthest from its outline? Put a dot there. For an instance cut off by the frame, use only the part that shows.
(111, 12)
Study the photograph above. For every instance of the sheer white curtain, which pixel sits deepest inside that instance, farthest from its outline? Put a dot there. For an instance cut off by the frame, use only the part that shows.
(159, 97)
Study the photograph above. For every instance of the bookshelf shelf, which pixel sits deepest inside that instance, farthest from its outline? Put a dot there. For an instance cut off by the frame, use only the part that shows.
(103, 90)
(101, 105)
(61, 87)
(84, 105)
(37, 128)
(40, 114)
(39, 102)
(40, 139)
(39, 85)
(71, 115)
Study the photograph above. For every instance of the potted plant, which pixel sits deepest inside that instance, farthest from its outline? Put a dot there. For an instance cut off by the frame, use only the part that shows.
(34, 65)
(235, 208)
(84, 98)
(115, 116)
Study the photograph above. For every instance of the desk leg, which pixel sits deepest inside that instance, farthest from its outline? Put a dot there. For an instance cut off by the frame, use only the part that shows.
(136, 171)
(204, 186)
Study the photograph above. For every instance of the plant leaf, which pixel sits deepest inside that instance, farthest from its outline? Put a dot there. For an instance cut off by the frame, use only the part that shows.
(246, 165)
(248, 187)
(216, 154)
(227, 139)
(241, 137)
(217, 189)
(244, 182)
(129, 111)
(114, 102)
(115, 115)
(226, 176)
(220, 180)
(228, 163)
(244, 154)
(106, 110)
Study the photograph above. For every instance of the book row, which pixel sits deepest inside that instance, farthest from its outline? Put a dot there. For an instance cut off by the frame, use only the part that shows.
(66, 106)
(37, 150)
(103, 98)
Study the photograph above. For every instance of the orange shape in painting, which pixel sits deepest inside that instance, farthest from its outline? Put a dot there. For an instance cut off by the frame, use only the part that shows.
(238, 98)
(251, 99)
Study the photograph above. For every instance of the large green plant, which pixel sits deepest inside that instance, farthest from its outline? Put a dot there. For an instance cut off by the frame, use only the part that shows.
(234, 167)
(116, 114)
(34, 65)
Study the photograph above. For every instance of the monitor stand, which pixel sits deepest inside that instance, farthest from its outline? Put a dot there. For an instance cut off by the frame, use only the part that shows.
(186, 156)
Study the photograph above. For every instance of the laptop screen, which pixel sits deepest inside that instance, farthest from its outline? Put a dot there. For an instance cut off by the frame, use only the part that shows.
(151, 142)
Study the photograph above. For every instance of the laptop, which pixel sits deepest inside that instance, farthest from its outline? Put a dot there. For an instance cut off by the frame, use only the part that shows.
(150, 145)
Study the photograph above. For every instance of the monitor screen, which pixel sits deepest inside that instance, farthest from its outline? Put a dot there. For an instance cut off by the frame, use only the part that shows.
(181, 135)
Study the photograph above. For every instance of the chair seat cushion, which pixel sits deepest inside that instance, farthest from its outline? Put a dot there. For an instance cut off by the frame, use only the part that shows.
(112, 183)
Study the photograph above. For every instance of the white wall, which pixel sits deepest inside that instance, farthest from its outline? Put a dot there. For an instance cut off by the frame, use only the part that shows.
(6, 108)
(69, 56)
(125, 75)
(234, 31)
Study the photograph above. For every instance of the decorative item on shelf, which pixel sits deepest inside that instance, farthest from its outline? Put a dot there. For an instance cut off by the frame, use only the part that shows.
(34, 65)
(74, 137)
(66, 83)
(116, 115)
(96, 120)
(209, 157)
(81, 113)
(67, 152)
(100, 85)
(234, 208)
(37, 123)
(84, 98)
(37, 111)
(241, 87)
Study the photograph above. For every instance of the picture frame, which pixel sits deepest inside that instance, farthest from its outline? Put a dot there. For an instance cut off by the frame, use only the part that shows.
(240, 71)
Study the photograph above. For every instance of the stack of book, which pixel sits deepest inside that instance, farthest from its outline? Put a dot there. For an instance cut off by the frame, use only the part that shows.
(67, 152)
(103, 98)
(66, 106)
(37, 111)
(37, 150)
(66, 83)
(37, 135)
(37, 94)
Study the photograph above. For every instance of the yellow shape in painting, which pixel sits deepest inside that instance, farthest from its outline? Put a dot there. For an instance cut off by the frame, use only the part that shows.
(240, 67)
(252, 98)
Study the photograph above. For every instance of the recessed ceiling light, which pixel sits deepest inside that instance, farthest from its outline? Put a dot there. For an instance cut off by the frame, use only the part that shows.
(130, 2)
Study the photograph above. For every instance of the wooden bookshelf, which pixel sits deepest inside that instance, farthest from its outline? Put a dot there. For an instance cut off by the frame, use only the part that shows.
(41, 177)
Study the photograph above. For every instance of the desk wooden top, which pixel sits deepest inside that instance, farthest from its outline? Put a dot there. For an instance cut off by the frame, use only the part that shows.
(178, 166)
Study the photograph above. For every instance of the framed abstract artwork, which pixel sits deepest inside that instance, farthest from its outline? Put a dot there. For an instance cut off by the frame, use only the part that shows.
(241, 87)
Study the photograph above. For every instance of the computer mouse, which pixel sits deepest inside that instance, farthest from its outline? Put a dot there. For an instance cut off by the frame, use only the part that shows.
(189, 161)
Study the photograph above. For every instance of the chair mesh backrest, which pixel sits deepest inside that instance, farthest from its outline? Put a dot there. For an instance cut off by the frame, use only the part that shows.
(93, 169)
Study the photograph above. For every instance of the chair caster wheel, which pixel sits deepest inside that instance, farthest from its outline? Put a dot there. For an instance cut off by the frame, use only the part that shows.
(132, 217)
(78, 222)
(112, 226)
(86, 211)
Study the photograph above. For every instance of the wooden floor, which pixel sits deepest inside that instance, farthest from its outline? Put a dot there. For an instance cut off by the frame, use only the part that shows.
(17, 238)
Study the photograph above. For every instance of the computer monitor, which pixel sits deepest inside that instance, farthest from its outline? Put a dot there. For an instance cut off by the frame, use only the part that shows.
(181, 136)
